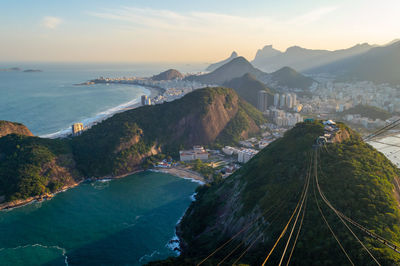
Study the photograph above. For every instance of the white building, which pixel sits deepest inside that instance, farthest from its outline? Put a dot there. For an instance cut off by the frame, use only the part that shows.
(198, 152)
(282, 100)
(245, 155)
(276, 99)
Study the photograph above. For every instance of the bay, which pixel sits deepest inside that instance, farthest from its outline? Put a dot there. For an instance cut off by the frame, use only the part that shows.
(127, 221)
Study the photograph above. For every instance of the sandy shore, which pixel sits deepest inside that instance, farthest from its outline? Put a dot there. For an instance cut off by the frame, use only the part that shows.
(183, 173)
(176, 171)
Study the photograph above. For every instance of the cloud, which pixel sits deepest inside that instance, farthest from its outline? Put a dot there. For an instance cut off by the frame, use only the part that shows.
(204, 21)
(313, 15)
(51, 22)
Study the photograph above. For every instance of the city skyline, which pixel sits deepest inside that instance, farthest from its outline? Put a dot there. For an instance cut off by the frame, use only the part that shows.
(177, 31)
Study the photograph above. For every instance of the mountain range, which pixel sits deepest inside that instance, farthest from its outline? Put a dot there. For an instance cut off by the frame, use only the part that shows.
(302, 59)
(32, 166)
(378, 64)
(238, 67)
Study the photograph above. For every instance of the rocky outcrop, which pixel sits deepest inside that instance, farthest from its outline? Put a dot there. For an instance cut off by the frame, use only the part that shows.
(7, 127)
(170, 74)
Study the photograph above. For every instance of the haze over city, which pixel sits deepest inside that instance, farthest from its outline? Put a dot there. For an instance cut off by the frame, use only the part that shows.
(186, 31)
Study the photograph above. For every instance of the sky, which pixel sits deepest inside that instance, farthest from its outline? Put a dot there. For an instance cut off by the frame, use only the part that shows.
(186, 31)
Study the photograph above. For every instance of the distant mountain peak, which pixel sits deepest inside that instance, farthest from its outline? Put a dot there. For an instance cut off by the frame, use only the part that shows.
(214, 66)
(303, 59)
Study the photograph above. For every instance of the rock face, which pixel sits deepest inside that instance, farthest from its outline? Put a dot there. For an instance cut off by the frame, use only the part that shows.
(252, 206)
(7, 127)
(32, 166)
(170, 74)
(199, 118)
(214, 66)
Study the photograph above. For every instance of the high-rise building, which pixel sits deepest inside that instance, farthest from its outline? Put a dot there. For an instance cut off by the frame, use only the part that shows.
(289, 100)
(282, 100)
(77, 129)
(294, 99)
(144, 99)
(262, 101)
(276, 99)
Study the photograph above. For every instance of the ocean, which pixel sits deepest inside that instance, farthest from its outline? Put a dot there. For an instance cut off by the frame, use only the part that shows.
(48, 102)
(128, 221)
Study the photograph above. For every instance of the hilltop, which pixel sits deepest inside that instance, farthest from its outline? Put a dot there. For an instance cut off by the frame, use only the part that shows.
(290, 78)
(7, 127)
(248, 87)
(368, 111)
(214, 66)
(169, 74)
(235, 68)
(32, 166)
(251, 208)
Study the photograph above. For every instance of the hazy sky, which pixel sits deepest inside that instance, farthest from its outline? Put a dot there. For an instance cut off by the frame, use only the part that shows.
(185, 30)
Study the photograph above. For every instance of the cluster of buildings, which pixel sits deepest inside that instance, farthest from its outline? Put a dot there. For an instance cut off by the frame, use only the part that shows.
(284, 108)
(145, 100)
(344, 95)
(364, 121)
(171, 89)
(243, 154)
(198, 152)
(283, 118)
(330, 130)
(285, 101)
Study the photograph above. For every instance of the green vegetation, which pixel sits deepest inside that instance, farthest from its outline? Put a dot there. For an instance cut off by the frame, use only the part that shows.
(368, 111)
(120, 143)
(27, 166)
(128, 141)
(248, 87)
(288, 77)
(243, 121)
(357, 180)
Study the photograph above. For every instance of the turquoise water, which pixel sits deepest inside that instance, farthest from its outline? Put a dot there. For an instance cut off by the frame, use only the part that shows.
(128, 221)
(48, 102)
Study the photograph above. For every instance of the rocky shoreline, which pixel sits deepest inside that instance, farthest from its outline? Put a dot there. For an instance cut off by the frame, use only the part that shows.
(179, 172)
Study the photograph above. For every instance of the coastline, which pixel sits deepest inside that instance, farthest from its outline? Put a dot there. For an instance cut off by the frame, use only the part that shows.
(178, 172)
(182, 173)
(88, 122)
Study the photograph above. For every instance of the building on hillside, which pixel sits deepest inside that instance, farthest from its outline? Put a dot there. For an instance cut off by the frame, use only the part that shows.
(228, 150)
(198, 152)
(245, 155)
(77, 129)
(262, 101)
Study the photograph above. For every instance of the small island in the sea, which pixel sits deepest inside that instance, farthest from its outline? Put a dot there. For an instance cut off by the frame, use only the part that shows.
(32, 70)
(15, 69)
